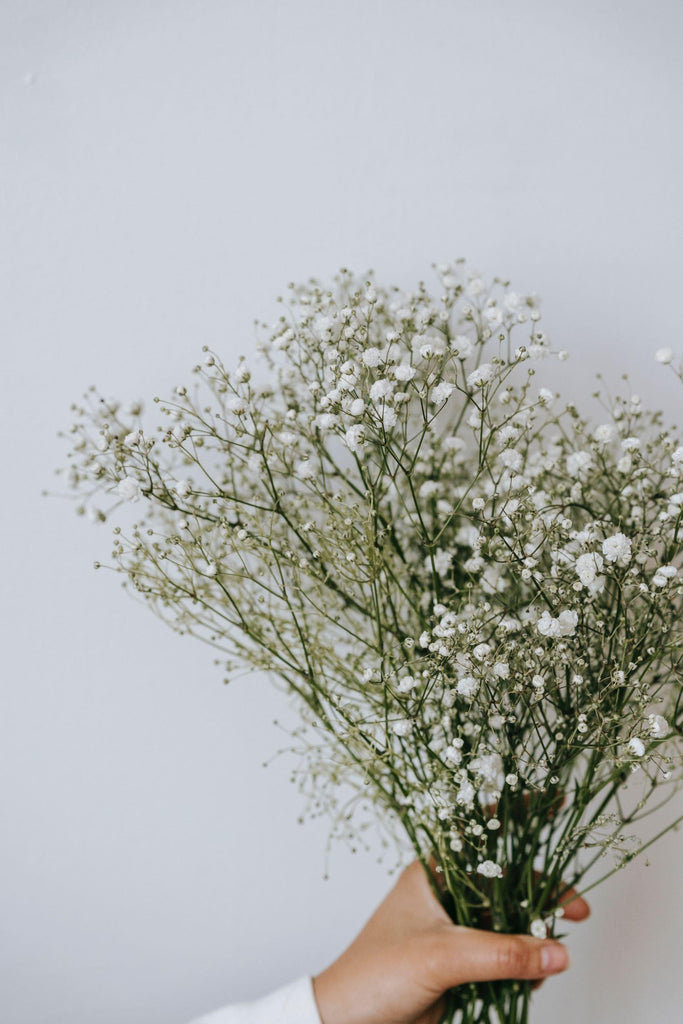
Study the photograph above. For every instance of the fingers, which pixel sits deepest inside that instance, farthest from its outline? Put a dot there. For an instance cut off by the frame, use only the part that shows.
(472, 955)
(574, 906)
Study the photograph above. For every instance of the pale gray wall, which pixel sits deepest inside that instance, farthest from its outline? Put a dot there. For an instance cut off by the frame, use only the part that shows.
(165, 168)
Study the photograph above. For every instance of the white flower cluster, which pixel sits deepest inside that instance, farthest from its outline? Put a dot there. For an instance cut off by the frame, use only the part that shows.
(472, 593)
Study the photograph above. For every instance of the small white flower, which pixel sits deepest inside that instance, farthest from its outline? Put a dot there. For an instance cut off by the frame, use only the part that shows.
(357, 407)
(604, 433)
(129, 489)
(677, 457)
(482, 375)
(389, 417)
(630, 444)
(465, 794)
(564, 625)
(403, 727)
(511, 459)
(490, 769)
(588, 567)
(457, 446)
(467, 686)
(538, 929)
(306, 470)
(442, 392)
(481, 651)
(659, 726)
(617, 549)
(506, 434)
(636, 747)
(452, 755)
(211, 569)
(538, 682)
(355, 438)
(406, 684)
(325, 421)
(371, 357)
(462, 344)
(489, 869)
(381, 389)
(493, 315)
(664, 574)
(443, 562)
(578, 464)
(664, 355)
(182, 488)
(568, 621)
(429, 488)
(475, 286)
(502, 670)
(135, 438)
(404, 371)
(547, 625)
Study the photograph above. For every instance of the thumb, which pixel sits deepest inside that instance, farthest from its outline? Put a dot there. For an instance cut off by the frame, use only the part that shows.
(472, 954)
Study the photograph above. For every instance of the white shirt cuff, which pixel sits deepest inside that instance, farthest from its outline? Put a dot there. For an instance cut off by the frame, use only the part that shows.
(292, 1004)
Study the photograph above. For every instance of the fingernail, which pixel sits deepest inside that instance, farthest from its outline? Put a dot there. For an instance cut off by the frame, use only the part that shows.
(554, 958)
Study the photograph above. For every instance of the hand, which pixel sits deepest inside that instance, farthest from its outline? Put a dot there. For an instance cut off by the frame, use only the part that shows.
(410, 953)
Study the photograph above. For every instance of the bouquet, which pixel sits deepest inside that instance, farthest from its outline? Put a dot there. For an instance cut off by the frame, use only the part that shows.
(471, 592)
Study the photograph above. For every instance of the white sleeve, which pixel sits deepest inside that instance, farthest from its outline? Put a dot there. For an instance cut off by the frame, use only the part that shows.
(292, 1004)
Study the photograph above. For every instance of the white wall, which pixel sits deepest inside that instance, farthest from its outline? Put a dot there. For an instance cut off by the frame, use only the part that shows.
(166, 167)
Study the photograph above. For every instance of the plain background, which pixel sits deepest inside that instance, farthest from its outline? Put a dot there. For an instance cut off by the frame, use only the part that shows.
(166, 167)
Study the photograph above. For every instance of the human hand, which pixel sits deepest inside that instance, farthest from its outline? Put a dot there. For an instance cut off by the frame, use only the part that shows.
(409, 954)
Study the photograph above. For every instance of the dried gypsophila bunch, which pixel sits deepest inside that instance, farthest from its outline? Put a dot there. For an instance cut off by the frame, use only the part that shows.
(472, 593)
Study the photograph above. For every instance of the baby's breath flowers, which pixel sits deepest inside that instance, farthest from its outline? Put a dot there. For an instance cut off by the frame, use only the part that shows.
(473, 594)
